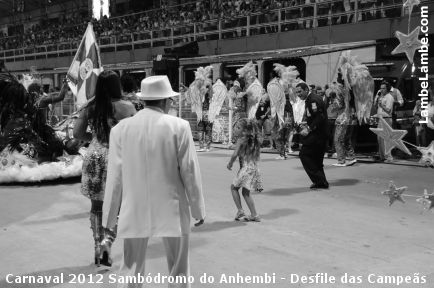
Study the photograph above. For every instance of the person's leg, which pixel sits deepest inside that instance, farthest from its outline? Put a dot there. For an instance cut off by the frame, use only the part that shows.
(388, 155)
(339, 139)
(349, 144)
(280, 143)
(96, 226)
(237, 201)
(249, 201)
(291, 135)
(208, 135)
(319, 157)
(201, 131)
(133, 260)
(308, 162)
(177, 254)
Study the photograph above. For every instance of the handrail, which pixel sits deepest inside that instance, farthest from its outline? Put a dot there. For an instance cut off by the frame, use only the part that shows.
(197, 30)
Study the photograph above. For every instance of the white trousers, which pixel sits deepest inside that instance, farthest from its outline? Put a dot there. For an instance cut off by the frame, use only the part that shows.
(133, 261)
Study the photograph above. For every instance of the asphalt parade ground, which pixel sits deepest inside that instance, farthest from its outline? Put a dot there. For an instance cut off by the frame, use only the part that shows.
(306, 238)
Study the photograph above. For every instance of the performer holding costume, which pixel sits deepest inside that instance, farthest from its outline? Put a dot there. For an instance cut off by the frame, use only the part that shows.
(356, 78)
(281, 91)
(219, 97)
(200, 95)
(245, 101)
(239, 107)
(26, 141)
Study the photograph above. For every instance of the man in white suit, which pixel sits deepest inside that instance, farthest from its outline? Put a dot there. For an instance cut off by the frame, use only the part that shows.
(153, 181)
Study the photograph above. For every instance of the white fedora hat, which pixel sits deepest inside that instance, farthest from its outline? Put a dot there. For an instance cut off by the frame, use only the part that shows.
(156, 88)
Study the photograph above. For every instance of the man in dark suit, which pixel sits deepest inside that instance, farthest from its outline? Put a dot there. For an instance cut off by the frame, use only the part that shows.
(314, 136)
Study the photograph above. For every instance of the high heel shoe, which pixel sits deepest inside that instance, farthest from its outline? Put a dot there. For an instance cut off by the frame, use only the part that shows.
(105, 253)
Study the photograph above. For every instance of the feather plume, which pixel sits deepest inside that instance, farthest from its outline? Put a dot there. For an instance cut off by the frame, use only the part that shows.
(219, 95)
(277, 100)
(358, 79)
(198, 88)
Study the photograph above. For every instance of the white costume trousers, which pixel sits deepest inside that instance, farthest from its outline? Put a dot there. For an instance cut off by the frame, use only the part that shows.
(134, 256)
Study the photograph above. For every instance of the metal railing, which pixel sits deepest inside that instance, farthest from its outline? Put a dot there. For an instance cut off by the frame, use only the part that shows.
(308, 16)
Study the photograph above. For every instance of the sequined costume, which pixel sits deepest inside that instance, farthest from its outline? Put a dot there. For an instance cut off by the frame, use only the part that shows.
(94, 171)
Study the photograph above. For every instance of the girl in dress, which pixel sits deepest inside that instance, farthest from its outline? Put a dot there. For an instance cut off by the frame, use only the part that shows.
(247, 178)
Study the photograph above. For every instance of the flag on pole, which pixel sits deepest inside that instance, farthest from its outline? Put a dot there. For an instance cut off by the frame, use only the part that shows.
(85, 67)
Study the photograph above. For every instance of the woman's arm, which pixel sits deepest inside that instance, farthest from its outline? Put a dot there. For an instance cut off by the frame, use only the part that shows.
(80, 127)
(54, 97)
(234, 156)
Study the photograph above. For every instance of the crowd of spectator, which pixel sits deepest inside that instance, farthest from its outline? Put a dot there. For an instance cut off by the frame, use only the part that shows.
(205, 14)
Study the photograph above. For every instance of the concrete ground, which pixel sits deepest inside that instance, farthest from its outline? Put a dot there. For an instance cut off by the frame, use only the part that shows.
(346, 230)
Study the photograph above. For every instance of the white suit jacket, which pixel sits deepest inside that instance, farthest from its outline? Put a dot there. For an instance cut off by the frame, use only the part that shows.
(153, 177)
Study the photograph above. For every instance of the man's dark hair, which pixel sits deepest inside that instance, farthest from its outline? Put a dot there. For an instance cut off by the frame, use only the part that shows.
(155, 102)
(388, 86)
(303, 86)
(128, 83)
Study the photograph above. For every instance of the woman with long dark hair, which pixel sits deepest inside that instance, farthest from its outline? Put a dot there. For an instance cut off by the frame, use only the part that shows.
(100, 115)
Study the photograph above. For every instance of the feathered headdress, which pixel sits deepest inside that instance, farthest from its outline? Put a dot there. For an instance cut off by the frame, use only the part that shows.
(203, 73)
(247, 71)
(287, 74)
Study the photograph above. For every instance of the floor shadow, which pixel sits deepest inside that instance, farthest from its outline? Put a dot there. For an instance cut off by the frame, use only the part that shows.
(344, 182)
(286, 191)
(278, 213)
(89, 269)
(59, 181)
(61, 218)
(216, 226)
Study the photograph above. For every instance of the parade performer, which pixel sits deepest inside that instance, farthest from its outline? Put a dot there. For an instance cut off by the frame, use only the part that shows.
(247, 178)
(314, 137)
(356, 78)
(246, 95)
(100, 114)
(29, 148)
(239, 107)
(263, 120)
(282, 95)
(200, 94)
(254, 89)
(339, 106)
(219, 121)
(43, 104)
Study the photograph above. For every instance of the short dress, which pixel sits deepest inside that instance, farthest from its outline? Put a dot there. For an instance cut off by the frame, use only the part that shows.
(248, 176)
(94, 171)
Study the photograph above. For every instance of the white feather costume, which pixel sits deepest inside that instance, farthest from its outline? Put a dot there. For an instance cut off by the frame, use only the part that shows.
(254, 88)
(198, 88)
(277, 88)
(358, 79)
(17, 167)
(219, 94)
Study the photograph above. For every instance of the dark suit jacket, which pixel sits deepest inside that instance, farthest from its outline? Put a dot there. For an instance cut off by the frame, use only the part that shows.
(316, 118)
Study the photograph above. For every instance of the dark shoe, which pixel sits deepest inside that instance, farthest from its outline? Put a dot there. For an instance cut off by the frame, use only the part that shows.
(324, 186)
(319, 186)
